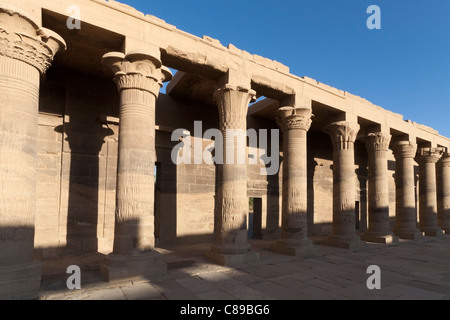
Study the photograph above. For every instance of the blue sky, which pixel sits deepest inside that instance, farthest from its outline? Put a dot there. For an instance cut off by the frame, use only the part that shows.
(403, 67)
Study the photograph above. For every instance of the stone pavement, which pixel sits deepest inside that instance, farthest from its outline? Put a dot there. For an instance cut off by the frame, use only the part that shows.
(409, 271)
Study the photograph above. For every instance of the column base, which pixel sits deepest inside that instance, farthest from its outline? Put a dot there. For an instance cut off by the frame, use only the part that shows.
(415, 234)
(433, 232)
(445, 229)
(20, 282)
(292, 248)
(232, 259)
(132, 267)
(380, 238)
(352, 242)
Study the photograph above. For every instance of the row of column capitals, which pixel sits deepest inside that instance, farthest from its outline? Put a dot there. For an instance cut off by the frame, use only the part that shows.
(138, 69)
(22, 39)
(343, 134)
(290, 118)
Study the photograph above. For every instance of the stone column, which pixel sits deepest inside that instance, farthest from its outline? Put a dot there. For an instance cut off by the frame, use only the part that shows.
(26, 52)
(343, 135)
(139, 76)
(443, 192)
(377, 145)
(231, 245)
(405, 191)
(427, 159)
(294, 123)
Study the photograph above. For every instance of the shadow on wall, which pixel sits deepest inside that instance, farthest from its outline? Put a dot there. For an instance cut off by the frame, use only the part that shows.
(85, 139)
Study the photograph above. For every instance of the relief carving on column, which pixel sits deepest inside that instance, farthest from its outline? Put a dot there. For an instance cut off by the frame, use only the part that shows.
(377, 141)
(289, 118)
(32, 45)
(429, 155)
(137, 70)
(404, 149)
(342, 134)
(233, 102)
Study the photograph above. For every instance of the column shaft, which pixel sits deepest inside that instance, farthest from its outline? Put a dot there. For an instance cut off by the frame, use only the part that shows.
(24, 56)
(427, 160)
(294, 233)
(343, 136)
(379, 228)
(135, 173)
(231, 246)
(405, 191)
(443, 193)
(139, 76)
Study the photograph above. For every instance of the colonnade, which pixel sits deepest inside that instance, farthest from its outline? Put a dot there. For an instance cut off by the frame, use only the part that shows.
(28, 50)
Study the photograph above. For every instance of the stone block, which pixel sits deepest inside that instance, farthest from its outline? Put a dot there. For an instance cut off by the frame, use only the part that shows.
(230, 260)
(20, 281)
(132, 267)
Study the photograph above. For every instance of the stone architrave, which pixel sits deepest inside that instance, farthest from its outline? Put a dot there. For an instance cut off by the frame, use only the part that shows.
(231, 241)
(294, 123)
(139, 76)
(405, 191)
(443, 192)
(377, 145)
(343, 136)
(26, 52)
(427, 159)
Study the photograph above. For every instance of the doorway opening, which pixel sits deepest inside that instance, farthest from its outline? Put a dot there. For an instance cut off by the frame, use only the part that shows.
(255, 218)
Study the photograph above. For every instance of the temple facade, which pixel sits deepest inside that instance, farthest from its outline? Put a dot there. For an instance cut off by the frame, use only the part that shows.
(120, 134)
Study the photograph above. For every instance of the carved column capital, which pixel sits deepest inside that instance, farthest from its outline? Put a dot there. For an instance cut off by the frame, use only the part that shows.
(342, 134)
(137, 70)
(445, 160)
(404, 149)
(233, 102)
(377, 141)
(429, 155)
(22, 39)
(290, 118)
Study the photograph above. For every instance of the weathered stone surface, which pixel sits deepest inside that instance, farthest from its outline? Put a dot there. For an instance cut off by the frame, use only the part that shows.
(427, 159)
(26, 52)
(343, 136)
(377, 145)
(73, 183)
(294, 122)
